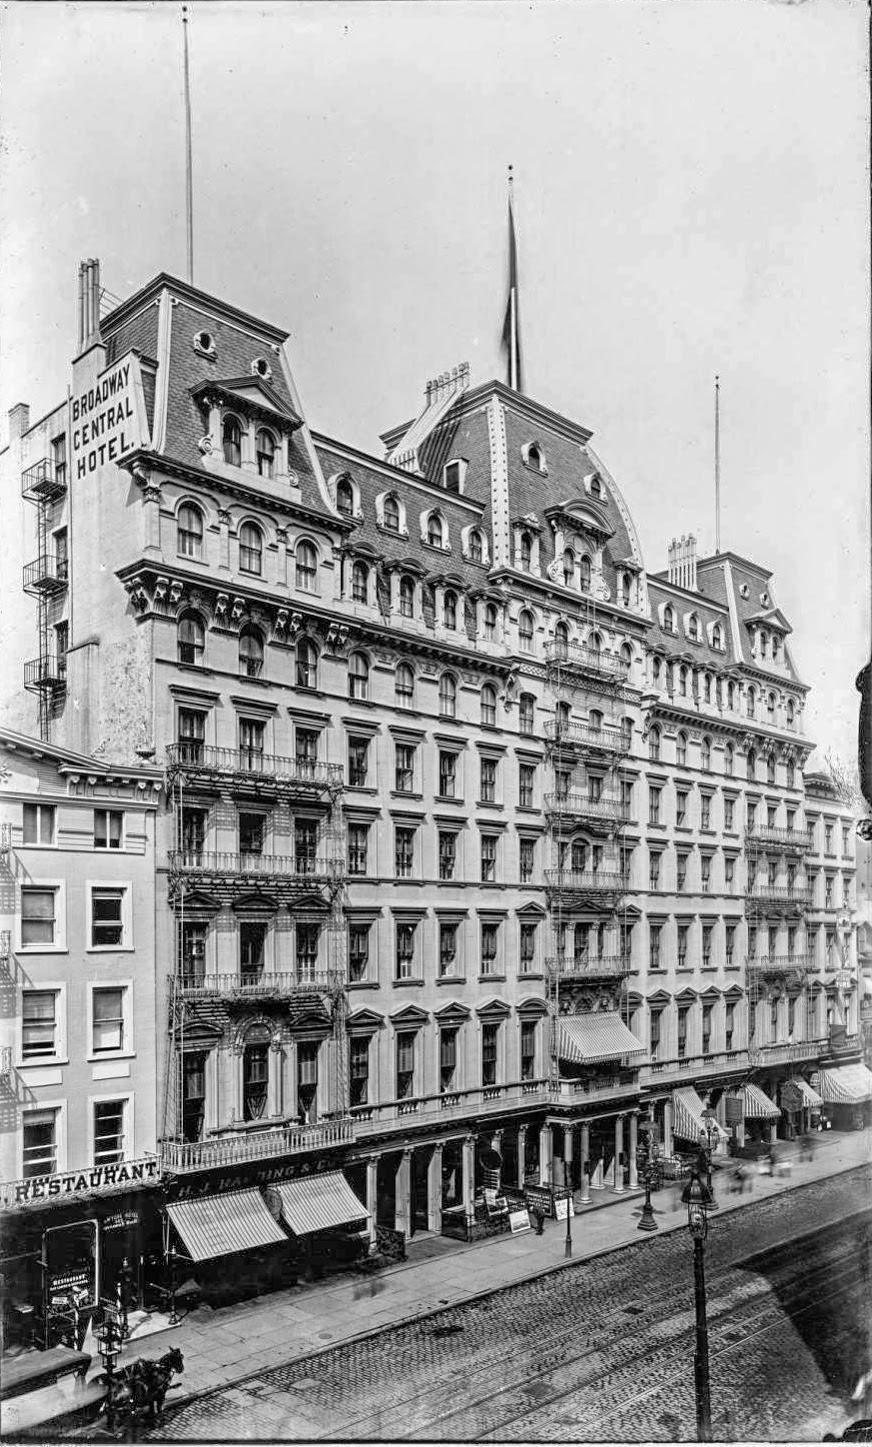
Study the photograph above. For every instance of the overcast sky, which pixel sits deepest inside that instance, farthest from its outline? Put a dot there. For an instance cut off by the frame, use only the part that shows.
(691, 195)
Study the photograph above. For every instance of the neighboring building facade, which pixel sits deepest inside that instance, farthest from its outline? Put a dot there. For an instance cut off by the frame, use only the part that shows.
(477, 834)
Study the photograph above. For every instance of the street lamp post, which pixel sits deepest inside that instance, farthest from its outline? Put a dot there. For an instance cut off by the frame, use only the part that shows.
(567, 1248)
(649, 1176)
(697, 1197)
(708, 1136)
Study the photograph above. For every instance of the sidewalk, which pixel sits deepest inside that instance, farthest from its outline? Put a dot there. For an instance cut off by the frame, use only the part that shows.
(221, 1346)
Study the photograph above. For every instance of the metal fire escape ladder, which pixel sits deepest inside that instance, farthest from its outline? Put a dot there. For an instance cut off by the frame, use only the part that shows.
(43, 484)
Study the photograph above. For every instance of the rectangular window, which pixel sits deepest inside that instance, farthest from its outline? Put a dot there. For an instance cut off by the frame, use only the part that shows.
(252, 949)
(846, 841)
(680, 871)
(405, 951)
(38, 916)
(62, 555)
(627, 797)
(358, 842)
(654, 941)
(405, 1064)
(705, 812)
(447, 773)
(447, 854)
(38, 824)
(255, 1080)
(108, 1132)
(59, 458)
(307, 933)
(62, 642)
(751, 814)
(528, 947)
(828, 892)
(108, 828)
(729, 942)
(488, 781)
(528, 1049)
(192, 835)
(489, 1050)
(729, 813)
(489, 937)
(404, 853)
(681, 806)
(252, 833)
(252, 738)
(594, 788)
(306, 751)
(654, 870)
(191, 725)
(771, 815)
(107, 1014)
(488, 858)
(307, 1077)
(683, 936)
(654, 796)
(358, 951)
(447, 1057)
(359, 1069)
(828, 838)
(193, 1095)
(683, 1013)
(706, 1028)
(707, 937)
(38, 1024)
(562, 780)
(107, 922)
(654, 1034)
(526, 780)
(404, 773)
(526, 860)
(447, 947)
(358, 751)
(705, 867)
(192, 952)
(729, 872)
(305, 845)
(40, 1146)
(729, 1025)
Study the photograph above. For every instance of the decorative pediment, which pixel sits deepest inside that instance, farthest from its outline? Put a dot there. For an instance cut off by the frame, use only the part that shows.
(201, 903)
(252, 396)
(452, 1013)
(686, 996)
(409, 1015)
(770, 618)
(365, 1020)
(493, 1009)
(660, 997)
(586, 517)
(251, 903)
(532, 1005)
(531, 911)
(710, 994)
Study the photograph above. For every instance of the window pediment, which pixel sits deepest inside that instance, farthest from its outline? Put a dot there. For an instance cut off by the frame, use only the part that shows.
(250, 395)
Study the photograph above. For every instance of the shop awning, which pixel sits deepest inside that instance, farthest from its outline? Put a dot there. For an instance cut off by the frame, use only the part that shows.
(846, 1084)
(809, 1097)
(318, 1203)
(687, 1121)
(757, 1104)
(586, 1039)
(221, 1225)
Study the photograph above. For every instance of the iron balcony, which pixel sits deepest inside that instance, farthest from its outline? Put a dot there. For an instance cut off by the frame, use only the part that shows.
(607, 811)
(47, 672)
(253, 1145)
(232, 875)
(583, 739)
(600, 888)
(578, 658)
(588, 967)
(211, 767)
(775, 965)
(44, 481)
(46, 574)
(777, 899)
(256, 984)
(795, 840)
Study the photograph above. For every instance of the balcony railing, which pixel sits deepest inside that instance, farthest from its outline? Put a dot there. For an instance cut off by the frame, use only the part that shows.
(451, 1105)
(797, 897)
(772, 1053)
(584, 738)
(588, 967)
(44, 481)
(597, 885)
(578, 658)
(767, 965)
(607, 810)
(259, 866)
(254, 1145)
(601, 1089)
(793, 839)
(46, 574)
(49, 670)
(5, 1063)
(255, 984)
(204, 763)
(712, 1063)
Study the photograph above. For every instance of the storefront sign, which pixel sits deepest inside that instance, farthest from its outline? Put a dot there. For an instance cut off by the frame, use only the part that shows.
(120, 1221)
(564, 1208)
(41, 1188)
(791, 1098)
(541, 1198)
(108, 417)
(519, 1221)
(734, 1109)
(69, 1281)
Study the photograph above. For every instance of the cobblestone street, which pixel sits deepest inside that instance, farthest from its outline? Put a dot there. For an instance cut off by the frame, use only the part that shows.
(602, 1350)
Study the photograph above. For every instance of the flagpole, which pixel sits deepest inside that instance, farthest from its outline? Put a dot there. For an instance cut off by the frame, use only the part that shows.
(189, 168)
(717, 464)
(513, 308)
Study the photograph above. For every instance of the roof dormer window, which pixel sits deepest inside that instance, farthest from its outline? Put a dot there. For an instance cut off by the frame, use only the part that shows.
(204, 343)
(231, 440)
(265, 452)
(260, 367)
(693, 628)
(669, 618)
(534, 456)
(392, 514)
(454, 475)
(344, 497)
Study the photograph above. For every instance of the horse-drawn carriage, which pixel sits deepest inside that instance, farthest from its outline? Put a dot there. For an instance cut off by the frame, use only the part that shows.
(136, 1393)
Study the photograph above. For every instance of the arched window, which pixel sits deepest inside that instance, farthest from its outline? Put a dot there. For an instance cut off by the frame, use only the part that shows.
(448, 695)
(360, 583)
(231, 440)
(306, 663)
(250, 653)
(654, 746)
(770, 707)
(656, 670)
(750, 701)
(407, 597)
(561, 640)
(435, 531)
(490, 622)
(489, 706)
(791, 714)
(562, 717)
(751, 764)
(404, 685)
(345, 497)
(705, 753)
(731, 695)
(584, 574)
(250, 549)
(358, 676)
(392, 514)
(526, 550)
(669, 618)
(626, 654)
(306, 571)
(534, 456)
(762, 636)
(626, 584)
(729, 757)
(627, 734)
(568, 567)
(265, 453)
(526, 713)
(255, 1079)
(707, 687)
(595, 720)
(189, 531)
(595, 644)
(770, 770)
(682, 681)
(681, 748)
(693, 628)
(449, 610)
(191, 638)
(717, 636)
(776, 645)
(525, 631)
(476, 546)
(596, 487)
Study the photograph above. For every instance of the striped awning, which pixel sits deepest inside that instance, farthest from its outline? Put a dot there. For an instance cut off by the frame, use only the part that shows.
(757, 1104)
(809, 1097)
(318, 1203)
(221, 1225)
(846, 1084)
(687, 1121)
(586, 1039)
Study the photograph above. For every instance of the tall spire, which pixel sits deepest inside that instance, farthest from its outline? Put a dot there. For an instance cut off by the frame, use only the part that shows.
(717, 464)
(511, 325)
(189, 169)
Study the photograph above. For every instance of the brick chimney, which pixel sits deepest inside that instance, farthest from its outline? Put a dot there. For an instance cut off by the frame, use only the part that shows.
(19, 420)
(682, 562)
(89, 304)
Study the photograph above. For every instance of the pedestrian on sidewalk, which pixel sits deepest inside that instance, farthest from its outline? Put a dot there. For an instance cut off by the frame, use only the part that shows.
(538, 1218)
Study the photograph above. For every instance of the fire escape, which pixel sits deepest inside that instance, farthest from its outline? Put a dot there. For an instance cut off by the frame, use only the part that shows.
(46, 579)
(772, 853)
(199, 771)
(586, 812)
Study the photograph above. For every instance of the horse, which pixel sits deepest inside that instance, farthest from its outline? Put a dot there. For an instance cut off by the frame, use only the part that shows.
(158, 1378)
(137, 1392)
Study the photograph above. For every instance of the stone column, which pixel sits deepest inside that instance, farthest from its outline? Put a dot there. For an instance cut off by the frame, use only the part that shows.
(522, 1154)
(282, 558)
(372, 1199)
(667, 1127)
(434, 1190)
(469, 1181)
(545, 1150)
(585, 1158)
(151, 497)
(211, 1114)
(223, 540)
(634, 1136)
(619, 1150)
(274, 1092)
(773, 1131)
(403, 1193)
(567, 1156)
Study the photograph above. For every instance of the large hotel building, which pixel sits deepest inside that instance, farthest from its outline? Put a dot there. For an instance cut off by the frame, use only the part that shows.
(475, 843)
